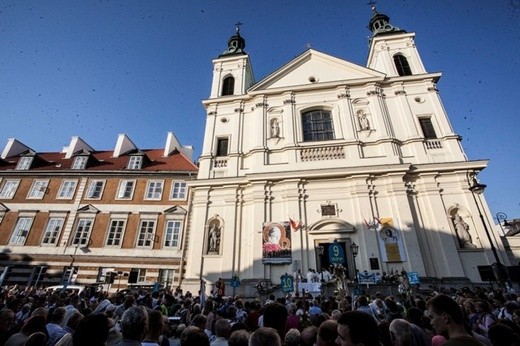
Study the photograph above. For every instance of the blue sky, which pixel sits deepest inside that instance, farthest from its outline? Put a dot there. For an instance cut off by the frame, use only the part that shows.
(95, 69)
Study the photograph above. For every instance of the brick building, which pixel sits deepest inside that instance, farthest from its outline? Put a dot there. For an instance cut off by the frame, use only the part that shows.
(76, 215)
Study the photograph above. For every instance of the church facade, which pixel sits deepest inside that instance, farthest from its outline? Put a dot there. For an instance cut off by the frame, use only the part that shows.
(325, 152)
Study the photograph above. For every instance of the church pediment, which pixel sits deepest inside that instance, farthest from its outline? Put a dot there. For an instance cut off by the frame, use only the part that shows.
(314, 68)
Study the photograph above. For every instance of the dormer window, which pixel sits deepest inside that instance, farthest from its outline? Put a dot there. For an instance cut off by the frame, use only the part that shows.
(135, 162)
(228, 86)
(402, 66)
(80, 162)
(24, 163)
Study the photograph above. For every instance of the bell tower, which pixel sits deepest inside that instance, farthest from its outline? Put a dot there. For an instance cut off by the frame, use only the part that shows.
(232, 72)
(392, 50)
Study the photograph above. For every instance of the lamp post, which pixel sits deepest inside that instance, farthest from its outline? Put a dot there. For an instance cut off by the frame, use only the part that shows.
(355, 250)
(499, 270)
(500, 216)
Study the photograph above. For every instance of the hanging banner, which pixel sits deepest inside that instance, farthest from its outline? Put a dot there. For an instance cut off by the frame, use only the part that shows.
(390, 240)
(276, 242)
(287, 282)
(336, 253)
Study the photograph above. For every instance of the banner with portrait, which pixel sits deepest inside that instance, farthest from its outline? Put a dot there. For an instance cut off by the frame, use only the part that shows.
(276, 242)
(390, 241)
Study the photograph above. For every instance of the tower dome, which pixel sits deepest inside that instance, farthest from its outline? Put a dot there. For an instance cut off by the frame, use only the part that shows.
(380, 24)
(236, 43)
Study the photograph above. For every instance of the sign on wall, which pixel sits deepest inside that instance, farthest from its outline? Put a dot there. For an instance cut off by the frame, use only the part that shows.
(276, 242)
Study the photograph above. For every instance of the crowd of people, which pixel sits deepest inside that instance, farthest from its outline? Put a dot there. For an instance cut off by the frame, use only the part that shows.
(478, 316)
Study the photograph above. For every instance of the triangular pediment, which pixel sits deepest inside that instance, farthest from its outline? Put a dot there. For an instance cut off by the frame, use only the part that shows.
(3, 208)
(89, 208)
(176, 209)
(314, 68)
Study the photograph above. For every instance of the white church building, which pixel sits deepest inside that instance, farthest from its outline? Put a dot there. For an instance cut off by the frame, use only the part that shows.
(349, 154)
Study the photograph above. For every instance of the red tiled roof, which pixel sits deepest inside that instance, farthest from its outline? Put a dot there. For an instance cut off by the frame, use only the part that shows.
(103, 161)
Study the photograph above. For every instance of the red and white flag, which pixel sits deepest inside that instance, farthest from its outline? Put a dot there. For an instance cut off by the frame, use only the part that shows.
(295, 225)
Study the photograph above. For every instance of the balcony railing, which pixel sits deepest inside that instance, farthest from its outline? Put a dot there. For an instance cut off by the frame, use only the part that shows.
(322, 153)
(432, 144)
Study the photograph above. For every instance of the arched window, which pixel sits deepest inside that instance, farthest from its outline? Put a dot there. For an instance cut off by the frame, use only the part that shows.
(402, 66)
(317, 126)
(228, 87)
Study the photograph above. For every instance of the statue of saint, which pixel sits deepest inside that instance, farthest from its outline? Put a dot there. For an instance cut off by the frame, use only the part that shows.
(214, 239)
(462, 230)
(363, 120)
(275, 128)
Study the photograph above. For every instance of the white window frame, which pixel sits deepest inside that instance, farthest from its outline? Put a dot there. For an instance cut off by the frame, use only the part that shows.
(24, 163)
(115, 232)
(67, 192)
(82, 231)
(172, 234)
(122, 190)
(179, 190)
(166, 277)
(52, 231)
(80, 162)
(146, 233)
(9, 188)
(135, 162)
(95, 189)
(21, 230)
(38, 189)
(152, 188)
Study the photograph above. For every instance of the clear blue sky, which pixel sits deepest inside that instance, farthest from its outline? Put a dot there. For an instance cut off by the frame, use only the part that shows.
(95, 69)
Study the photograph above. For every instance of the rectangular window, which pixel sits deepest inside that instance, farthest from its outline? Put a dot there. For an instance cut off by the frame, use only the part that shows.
(137, 275)
(95, 189)
(135, 162)
(146, 233)
(38, 189)
(24, 163)
(80, 162)
(67, 189)
(222, 146)
(9, 189)
(115, 232)
(103, 274)
(52, 232)
(82, 234)
(126, 189)
(178, 190)
(154, 189)
(37, 276)
(21, 231)
(70, 274)
(166, 277)
(317, 126)
(427, 128)
(172, 233)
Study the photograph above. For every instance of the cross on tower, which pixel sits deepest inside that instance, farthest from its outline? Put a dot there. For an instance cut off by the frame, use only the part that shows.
(238, 24)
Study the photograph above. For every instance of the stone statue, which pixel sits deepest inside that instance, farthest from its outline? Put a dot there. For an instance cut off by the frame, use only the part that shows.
(462, 230)
(363, 120)
(275, 128)
(214, 239)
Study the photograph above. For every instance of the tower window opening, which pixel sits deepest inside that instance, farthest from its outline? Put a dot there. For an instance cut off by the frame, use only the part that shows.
(427, 128)
(402, 66)
(222, 147)
(228, 87)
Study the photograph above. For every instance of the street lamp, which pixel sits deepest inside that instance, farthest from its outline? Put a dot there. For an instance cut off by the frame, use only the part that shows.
(355, 250)
(500, 216)
(499, 270)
